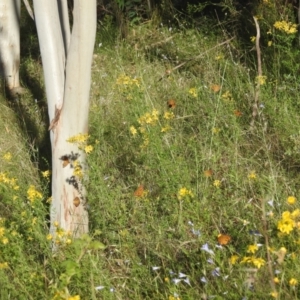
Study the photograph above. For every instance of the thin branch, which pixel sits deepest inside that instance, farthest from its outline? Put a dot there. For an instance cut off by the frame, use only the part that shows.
(258, 47)
(259, 71)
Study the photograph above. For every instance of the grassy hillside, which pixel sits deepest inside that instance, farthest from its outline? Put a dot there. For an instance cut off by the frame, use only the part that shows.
(187, 199)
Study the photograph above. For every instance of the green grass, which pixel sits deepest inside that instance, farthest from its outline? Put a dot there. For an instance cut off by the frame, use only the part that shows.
(159, 196)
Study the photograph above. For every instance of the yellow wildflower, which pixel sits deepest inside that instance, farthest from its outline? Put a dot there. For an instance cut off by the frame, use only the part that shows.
(166, 128)
(261, 79)
(276, 280)
(252, 39)
(88, 149)
(285, 225)
(184, 192)
(295, 214)
(293, 282)
(291, 200)
(33, 194)
(5, 240)
(46, 174)
(133, 130)
(4, 265)
(233, 259)
(145, 143)
(252, 248)
(219, 57)
(252, 175)
(193, 92)
(274, 295)
(2, 230)
(77, 297)
(7, 156)
(286, 27)
(77, 169)
(286, 215)
(49, 237)
(258, 262)
(78, 139)
(270, 43)
(227, 97)
(217, 183)
(216, 130)
(168, 115)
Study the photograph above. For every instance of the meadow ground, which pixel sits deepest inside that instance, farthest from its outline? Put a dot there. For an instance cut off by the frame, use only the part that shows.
(190, 196)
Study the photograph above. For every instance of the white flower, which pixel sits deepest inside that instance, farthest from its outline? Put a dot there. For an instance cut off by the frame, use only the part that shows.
(176, 280)
(205, 248)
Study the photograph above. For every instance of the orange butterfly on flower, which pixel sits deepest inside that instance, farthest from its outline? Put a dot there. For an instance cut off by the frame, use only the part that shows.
(224, 239)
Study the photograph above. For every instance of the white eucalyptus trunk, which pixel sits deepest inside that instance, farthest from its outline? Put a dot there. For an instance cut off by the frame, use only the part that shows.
(67, 70)
(10, 42)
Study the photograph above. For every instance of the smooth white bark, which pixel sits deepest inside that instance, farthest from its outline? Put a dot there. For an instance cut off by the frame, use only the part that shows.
(10, 42)
(67, 88)
(52, 52)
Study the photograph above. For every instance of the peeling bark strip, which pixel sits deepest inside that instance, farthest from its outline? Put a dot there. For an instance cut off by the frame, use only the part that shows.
(55, 119)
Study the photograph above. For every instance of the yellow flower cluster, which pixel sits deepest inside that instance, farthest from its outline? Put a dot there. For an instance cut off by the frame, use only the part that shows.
(217, 183)
(11, 182)
(3, 238)
(33, 194)
(193, 92)
(4, 265)
(61, 295)
(261, 79)
(252, 175)
(46, 174)
(60, 236)
(77, 169)
(227, 97)
(185, 193)
(258, 262)
(286, 27)
(81, 140)
(151, 119)
(7, 156)
(287, 223)
(252, 248)
(128, 81)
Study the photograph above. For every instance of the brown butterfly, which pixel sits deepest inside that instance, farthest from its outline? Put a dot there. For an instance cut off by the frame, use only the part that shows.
(215, 88)
(171, 103)
(208, 173)
(237, 113)
(224, 239)
(139, 192)
(76, 201)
